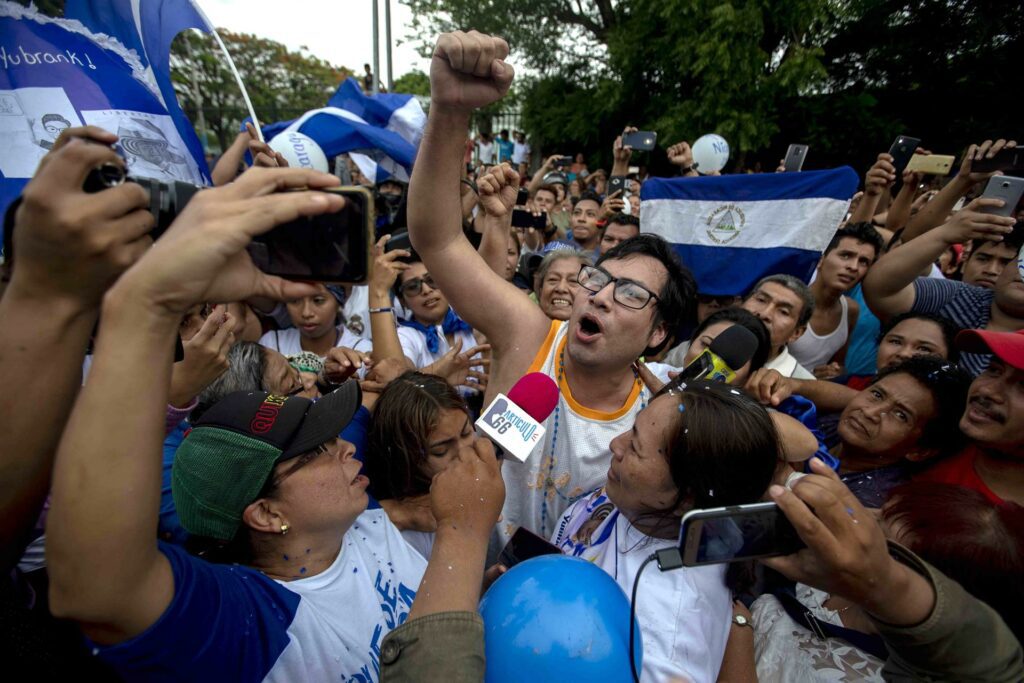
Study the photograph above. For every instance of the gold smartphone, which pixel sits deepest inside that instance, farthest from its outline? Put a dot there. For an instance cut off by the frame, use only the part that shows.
(930, 164)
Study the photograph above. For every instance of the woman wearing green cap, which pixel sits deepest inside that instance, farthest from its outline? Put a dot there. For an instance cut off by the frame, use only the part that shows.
(261, 475)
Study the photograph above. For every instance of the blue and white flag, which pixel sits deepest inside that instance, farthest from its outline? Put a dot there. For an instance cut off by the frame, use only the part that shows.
(148, 27)
(732, 230)
(56, 74)
(380, 132)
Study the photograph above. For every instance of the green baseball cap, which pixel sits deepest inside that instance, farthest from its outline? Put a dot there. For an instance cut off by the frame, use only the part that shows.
(228, 455)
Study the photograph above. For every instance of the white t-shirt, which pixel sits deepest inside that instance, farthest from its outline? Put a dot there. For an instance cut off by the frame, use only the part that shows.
(288, 341)
(357, 311)
(520, 151)
(414, 344)
(813, 349)
(232, 623)
(785, 651)
(684, 614)
(787, 366)
(486, 152)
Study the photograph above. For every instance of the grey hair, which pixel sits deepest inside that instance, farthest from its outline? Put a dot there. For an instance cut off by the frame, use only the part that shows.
(247, 362)
(557, 255)
(795, 285)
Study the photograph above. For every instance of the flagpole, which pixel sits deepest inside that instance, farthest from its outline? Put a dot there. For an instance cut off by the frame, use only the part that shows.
(231, 65)
(376, 49)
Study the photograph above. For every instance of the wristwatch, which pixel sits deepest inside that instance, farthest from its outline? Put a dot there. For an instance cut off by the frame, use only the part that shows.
(741, 620)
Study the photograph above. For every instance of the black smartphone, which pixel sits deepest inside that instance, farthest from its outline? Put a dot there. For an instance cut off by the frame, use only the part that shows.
(523, 196)
(1007, 188)
(740, 532)
(642, 140)
(521, 218)
(1006, 159)
(563, 162)
(616, 183)
(795, 156)
(332, 247)
(400, 240)
(901, 151)
(522, 546)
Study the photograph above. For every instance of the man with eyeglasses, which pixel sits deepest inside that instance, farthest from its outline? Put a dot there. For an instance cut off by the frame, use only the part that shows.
(624, 306)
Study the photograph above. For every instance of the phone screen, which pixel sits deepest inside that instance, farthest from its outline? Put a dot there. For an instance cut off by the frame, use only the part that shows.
(523, 545)
(642, 140)
(741, 533)
(333, 247)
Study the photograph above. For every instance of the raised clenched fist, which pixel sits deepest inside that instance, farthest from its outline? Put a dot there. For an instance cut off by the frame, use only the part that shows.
(468, 71)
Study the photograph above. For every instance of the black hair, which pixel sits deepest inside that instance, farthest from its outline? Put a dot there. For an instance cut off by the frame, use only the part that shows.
(676, 302)
(585, 195)
(1014, 241)
(948, 383)
(863, 232)
(624, 219)
(743, 318)
(949, 330)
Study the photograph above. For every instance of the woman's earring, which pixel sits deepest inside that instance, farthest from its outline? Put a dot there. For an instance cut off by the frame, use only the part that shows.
(284, 529)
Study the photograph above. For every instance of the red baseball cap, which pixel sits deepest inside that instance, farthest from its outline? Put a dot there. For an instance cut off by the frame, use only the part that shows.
(1009, 346)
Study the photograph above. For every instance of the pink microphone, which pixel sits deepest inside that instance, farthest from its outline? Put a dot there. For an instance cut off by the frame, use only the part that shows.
(536, 393)
(515, 422)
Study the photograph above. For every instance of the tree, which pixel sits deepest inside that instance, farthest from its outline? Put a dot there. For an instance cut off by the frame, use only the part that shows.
(281, 84)
(413, 83)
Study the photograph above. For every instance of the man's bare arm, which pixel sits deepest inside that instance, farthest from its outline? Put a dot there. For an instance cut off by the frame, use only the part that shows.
(467, 71)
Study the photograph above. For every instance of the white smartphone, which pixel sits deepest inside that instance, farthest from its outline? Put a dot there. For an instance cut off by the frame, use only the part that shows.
(740, 532)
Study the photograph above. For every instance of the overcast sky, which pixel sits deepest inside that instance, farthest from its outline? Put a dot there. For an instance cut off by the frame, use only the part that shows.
(339, 31)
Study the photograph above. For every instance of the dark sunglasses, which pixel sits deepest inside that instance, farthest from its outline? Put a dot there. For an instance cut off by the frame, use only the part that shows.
(415, 286)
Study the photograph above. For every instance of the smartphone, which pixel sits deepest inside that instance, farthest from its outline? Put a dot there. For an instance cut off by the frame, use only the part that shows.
(616, 183)
(901, 152)
(333, 247)
(795, 156)
(642, 140)
(931, 164)
(1007, 188)
(740, 532)
(521, 218)
(563, 162)
(524, 545)
(400, 240)
(1006, 159)
(523, 196)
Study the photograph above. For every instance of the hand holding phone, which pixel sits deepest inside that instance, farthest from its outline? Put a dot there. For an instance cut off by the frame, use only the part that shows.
(847, 553)
(795, 156)
(735, 533)
(641, 140)
(930, 164)
(1009, 158)
(901, 151)
(1006, 188)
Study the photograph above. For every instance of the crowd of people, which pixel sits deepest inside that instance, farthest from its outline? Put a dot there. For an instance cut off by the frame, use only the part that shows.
(324, 509)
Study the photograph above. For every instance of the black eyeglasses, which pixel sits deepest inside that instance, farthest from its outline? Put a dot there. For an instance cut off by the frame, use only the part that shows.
(415, 286)
(628, 293)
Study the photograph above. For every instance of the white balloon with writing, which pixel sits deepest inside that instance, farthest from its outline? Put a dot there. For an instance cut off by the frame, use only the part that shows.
(710, 153)
(300, 151)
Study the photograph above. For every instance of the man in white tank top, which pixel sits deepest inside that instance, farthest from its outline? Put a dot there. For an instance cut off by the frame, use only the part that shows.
(635, 295)
(844, 264)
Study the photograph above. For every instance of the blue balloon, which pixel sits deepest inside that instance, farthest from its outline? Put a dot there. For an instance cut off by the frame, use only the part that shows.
(554, 617)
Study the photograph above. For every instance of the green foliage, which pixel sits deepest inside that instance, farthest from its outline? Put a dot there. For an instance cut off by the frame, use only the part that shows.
(413, 83)
(281, 84)
(845, 76)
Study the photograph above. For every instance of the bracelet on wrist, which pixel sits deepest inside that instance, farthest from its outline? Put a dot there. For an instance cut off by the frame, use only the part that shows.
(382, 309)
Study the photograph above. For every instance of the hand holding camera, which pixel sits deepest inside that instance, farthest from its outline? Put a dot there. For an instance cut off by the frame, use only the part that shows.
(71, 244)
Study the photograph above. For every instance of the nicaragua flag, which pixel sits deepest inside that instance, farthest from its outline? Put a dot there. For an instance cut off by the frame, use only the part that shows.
(381, 133)
(731, 231)
(149, 27)
(56, 74)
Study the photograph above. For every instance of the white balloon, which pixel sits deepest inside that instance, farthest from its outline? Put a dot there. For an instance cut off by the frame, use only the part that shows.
(300, 151)
(710, 153)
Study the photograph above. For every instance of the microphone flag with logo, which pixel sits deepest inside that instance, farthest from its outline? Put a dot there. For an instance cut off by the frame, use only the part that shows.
(516, 422)
(732, 230)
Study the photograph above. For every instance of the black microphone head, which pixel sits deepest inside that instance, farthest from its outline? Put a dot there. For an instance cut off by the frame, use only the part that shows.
(735, 345)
